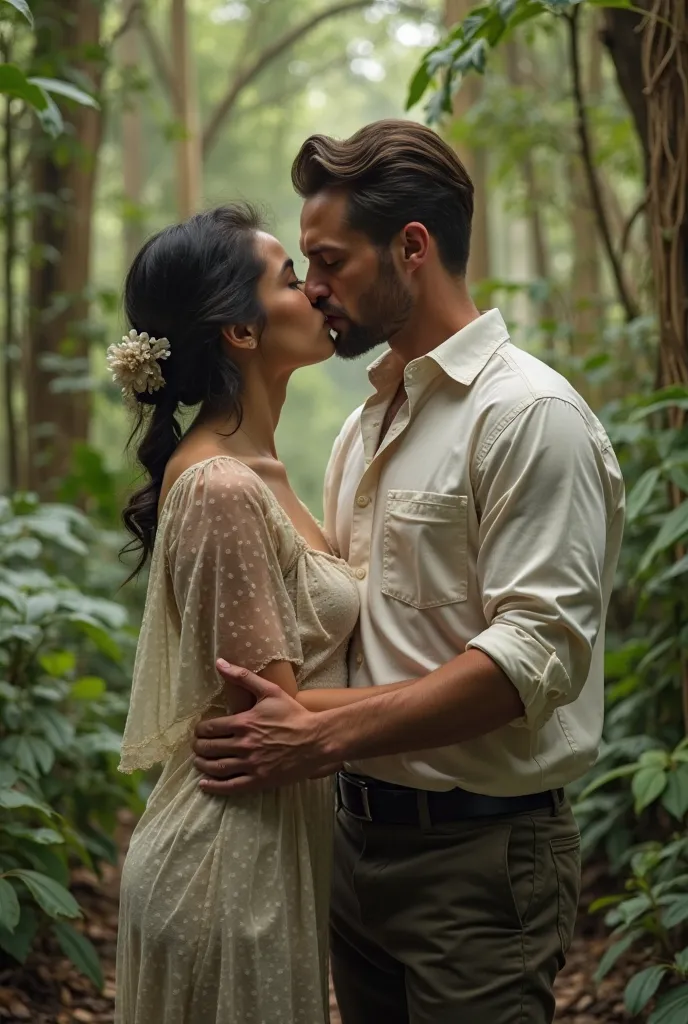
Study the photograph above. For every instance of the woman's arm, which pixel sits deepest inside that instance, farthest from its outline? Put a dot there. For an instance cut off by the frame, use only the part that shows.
(329, 700)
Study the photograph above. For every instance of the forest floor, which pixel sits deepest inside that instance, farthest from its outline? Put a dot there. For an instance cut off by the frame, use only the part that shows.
(48, 990)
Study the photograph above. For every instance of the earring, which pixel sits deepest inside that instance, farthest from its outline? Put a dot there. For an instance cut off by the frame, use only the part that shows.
(252, 343)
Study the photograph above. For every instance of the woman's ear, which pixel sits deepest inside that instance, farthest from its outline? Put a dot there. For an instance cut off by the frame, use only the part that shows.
(240, 336)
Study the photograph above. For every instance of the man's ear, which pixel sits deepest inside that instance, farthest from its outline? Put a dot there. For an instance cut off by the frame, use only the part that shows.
(415, 240)
(240, 336)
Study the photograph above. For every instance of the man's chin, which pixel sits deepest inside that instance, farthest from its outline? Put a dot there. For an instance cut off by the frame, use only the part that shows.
(353, 344)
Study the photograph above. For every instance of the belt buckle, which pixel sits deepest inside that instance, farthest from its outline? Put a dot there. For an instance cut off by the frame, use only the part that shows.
(363, 789)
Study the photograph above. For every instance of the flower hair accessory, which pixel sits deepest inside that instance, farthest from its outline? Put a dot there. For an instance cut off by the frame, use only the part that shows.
(135, 364)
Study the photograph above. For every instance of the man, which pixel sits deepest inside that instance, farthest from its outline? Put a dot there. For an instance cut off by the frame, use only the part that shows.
(480, 503)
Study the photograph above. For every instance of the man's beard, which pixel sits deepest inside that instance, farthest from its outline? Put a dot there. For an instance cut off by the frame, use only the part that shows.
(384, 309)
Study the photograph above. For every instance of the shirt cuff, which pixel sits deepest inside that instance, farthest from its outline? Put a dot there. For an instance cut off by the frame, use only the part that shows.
(537, 673)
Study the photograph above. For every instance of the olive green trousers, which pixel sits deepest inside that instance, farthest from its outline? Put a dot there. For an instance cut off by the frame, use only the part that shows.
(465, 923)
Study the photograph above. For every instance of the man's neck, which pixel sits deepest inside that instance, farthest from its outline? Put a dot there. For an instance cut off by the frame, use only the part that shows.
(438, 316)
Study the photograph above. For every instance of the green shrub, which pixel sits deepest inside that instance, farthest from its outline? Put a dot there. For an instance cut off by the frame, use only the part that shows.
(65, 653)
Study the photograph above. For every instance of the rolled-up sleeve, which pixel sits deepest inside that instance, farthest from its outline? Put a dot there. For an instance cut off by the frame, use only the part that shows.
(544, 496)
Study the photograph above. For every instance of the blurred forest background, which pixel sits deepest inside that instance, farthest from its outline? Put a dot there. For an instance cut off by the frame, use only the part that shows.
(120, 116)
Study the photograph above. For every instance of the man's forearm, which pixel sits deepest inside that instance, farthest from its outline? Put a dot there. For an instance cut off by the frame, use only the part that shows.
(468, 697)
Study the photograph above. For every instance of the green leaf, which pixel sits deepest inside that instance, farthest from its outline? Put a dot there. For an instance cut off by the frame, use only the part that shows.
(18, 943)
(641, 494)
(58, 663)
(672, 1007)
(42, 836)
(52, 897)
(23, 8)
(614, 953)
(647, 785)
(675, 796)
(19, 750)
(642, 987)
(57, 729)
(676, 912)
(674, 527)
(13, 597)
(621, 772)
(80, 951)
(10, 911)
(58, 88)
(100, 637)
(13, 799)
(13, 82)
(8, 776)
(419, 83)
(88, 688)
(681, 960)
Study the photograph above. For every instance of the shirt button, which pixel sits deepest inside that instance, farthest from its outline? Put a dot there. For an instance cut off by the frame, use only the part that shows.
(362, 500)
(361, 573)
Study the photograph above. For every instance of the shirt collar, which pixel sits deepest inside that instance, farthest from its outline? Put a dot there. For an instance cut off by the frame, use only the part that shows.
(461, 357)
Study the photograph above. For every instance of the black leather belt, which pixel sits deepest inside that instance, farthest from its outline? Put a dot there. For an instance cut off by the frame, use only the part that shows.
(372, 800)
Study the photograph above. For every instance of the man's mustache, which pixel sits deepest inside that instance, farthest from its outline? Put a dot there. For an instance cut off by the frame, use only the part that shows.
(335, 311)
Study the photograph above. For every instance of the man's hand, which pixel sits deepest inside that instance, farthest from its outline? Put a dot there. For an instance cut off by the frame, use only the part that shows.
(274, 743)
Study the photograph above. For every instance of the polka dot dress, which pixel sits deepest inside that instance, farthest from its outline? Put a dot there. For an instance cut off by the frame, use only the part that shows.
(224, 902)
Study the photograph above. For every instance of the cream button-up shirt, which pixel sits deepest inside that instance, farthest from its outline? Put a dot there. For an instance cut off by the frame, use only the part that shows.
(490, 517)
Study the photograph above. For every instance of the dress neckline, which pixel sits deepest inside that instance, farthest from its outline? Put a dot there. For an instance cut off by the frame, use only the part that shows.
(272, 499)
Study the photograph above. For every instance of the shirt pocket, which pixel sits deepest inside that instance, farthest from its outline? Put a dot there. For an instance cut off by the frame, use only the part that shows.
(425, 548)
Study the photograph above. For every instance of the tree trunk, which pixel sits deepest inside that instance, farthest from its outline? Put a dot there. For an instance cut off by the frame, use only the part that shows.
(474, 158)
(534, 200)
(189, 159)
(586, 285)
(133, 139)
(63, 194)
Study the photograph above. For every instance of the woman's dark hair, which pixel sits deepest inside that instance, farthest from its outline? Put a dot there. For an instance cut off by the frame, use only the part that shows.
(186, 284)
(394, 172)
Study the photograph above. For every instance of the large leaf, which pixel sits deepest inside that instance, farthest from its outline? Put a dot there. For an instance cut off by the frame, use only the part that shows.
(672, 1008)
(80, 951)
(647, 785)
(58, 663)
(13, 82)
(675, 796)
(614, 953)
(23, 8)
(52, 897)
(42, 836)
(676, 912)
(642, 987)
(641, 493)
(88, 688)
(10, 910)
(18, 943)
(13, 799)
(623, 771)
(66, 89)
(674, 527)
(57, 729)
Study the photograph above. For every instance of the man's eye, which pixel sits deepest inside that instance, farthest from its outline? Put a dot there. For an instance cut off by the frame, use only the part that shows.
(333, 265)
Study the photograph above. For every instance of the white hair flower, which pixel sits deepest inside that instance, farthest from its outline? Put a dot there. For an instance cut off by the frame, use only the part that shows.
(135, 364)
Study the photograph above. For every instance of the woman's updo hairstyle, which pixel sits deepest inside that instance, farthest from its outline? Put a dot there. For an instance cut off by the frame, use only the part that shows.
(186, 284)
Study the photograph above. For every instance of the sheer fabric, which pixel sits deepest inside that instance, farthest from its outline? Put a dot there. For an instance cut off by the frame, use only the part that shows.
(223, 916)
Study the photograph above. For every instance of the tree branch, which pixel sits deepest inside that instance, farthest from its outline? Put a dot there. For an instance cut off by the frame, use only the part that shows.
(626, 300)
(129, 20)
(251, 70)
(297, 86)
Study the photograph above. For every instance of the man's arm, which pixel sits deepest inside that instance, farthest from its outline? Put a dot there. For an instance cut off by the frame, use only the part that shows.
(542, 490)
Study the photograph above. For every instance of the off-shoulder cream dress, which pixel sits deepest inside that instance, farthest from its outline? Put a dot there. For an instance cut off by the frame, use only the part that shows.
(224, 902)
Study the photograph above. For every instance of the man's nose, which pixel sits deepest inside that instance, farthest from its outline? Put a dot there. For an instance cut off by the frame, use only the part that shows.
(315, 289)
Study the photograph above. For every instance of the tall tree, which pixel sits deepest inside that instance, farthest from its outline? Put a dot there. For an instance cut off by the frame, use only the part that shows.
(68, 38)
(473, 157)
(133, 137)
(189, 158)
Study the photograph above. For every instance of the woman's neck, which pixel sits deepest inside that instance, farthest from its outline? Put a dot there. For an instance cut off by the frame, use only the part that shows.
(254, 435)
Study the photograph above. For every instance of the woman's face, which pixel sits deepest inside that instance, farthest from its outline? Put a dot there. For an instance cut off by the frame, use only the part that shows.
(295, 333)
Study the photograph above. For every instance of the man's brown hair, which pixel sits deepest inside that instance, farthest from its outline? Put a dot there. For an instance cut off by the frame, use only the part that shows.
(394, 172)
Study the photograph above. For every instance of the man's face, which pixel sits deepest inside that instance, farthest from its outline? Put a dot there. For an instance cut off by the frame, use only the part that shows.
(355, 284)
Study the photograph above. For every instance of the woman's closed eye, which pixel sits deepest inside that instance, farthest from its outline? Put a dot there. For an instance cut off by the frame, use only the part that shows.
(296, 283)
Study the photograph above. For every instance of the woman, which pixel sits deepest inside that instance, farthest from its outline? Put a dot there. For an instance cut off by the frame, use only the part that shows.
(224, 903)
